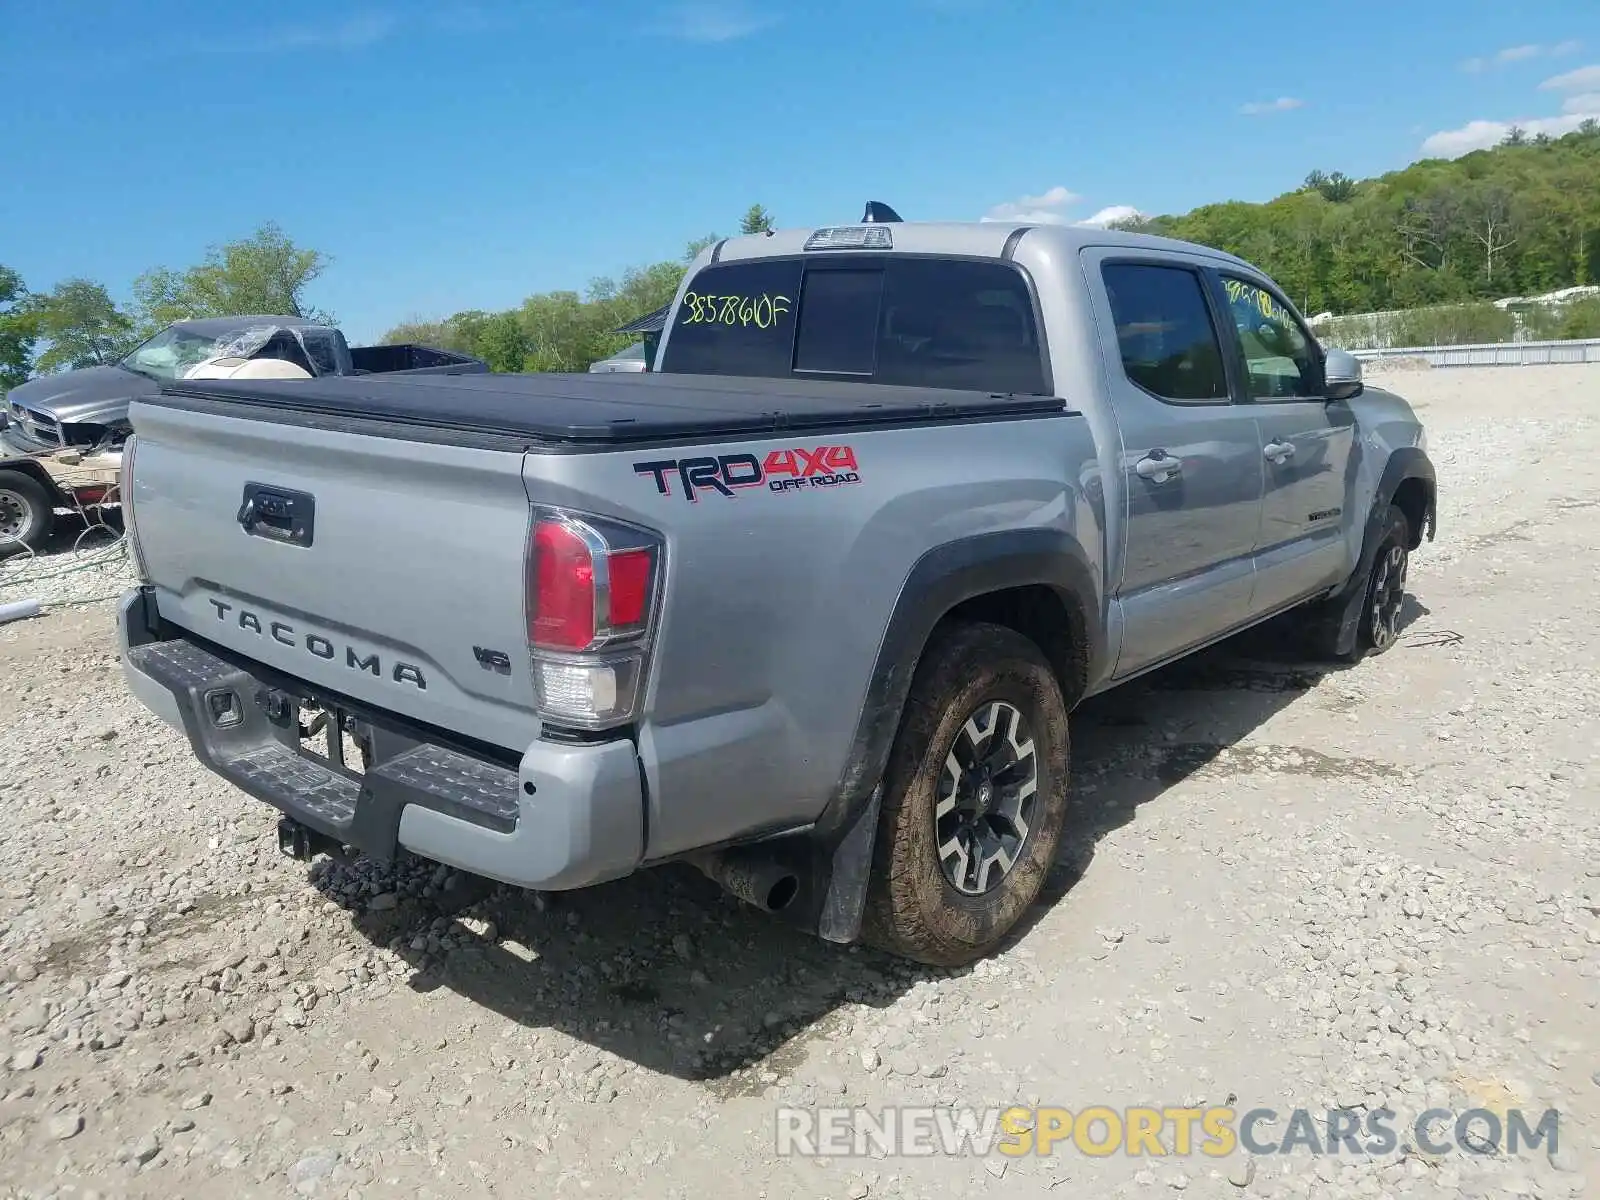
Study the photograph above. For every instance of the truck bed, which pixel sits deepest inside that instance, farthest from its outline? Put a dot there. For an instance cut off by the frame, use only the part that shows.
(604, 411)
(412, 358)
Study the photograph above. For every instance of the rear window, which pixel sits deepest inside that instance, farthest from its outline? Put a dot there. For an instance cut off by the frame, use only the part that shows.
(917, 322)
(1169, 344)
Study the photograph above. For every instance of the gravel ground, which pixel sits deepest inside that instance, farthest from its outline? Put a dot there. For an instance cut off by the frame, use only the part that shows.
(83, 565)
(1283, 887)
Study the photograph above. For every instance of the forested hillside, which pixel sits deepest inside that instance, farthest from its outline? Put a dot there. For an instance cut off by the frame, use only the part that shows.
(1520, 219)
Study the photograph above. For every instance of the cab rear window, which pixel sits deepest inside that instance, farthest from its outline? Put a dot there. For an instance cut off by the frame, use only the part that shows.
(917, 322)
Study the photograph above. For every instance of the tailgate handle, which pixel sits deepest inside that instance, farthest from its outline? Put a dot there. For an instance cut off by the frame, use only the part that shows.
(279, 514)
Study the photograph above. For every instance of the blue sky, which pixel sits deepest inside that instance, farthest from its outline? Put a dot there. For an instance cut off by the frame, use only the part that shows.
(464, 155)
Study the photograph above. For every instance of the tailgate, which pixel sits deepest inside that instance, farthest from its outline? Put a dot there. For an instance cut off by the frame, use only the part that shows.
(376, 567)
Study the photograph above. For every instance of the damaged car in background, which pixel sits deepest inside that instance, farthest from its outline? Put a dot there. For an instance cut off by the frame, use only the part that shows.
(61, 435)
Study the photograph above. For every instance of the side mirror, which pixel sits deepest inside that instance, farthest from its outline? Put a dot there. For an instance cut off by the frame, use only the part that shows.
(1342, 374)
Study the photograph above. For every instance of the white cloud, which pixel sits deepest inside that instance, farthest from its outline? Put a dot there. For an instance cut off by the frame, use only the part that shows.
(353, 33)
(1281, 104)
(1043, 209)
(1048, 208)
(471, 18)
(1055, 197)
(1523, 53)
(1581, 104)
(349, 34)
(1481, 135)
(1111, 214)
(1584, 79)
(1010, 213)
(715, 21)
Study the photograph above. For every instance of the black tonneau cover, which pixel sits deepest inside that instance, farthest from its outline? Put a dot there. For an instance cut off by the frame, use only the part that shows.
(597, 409)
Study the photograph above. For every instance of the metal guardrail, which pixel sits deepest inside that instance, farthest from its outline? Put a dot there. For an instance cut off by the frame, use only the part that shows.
(1494, 354)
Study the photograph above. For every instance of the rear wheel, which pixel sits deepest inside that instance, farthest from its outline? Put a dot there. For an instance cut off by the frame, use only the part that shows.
(26, 514)
(974, 798)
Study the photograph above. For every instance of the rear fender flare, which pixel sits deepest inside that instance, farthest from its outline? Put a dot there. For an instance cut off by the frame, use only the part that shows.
(939, 581)
(836, 855)
(841, 840)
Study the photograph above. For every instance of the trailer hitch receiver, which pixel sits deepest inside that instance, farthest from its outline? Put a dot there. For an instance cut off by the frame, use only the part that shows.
(302, 843)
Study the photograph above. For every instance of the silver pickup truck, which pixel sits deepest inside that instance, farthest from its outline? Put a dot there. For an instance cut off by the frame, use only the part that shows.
(807, 606)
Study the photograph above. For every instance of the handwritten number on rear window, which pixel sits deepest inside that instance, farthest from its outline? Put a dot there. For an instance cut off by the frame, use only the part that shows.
(763, 311)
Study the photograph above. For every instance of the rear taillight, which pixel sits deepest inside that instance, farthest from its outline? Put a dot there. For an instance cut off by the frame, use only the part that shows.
(592, 588)
(125, 495)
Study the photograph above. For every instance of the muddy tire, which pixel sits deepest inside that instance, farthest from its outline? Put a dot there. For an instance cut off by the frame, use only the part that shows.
(974, 798)
(26, 514)
(1382, 599)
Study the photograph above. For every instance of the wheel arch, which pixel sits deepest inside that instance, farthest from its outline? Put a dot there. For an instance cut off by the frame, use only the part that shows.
(1036, 581)
(31, 469)
(1410, 484)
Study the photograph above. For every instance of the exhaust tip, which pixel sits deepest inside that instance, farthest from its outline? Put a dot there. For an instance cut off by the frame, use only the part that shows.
(752, 877)
(782, 892)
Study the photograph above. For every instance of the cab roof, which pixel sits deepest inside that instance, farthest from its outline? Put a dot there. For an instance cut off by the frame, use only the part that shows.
(975, 239)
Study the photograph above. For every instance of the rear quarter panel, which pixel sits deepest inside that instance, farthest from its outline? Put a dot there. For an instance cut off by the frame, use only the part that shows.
(776, 601)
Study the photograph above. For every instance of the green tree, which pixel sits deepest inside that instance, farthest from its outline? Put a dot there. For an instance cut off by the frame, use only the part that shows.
(445, 335)
(553, 331)
(503, 343)
(756, 220)
(82, 326)
(18, 330)
(265, 273)
(1336, 188)
(692, 250)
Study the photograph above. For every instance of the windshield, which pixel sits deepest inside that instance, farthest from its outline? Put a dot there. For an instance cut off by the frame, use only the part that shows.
(173, 351)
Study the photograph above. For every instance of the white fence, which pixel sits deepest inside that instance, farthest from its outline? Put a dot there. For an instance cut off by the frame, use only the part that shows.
(1493, 354)
(1386, 330)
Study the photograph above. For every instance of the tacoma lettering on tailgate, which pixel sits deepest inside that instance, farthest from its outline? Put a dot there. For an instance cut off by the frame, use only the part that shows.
(316, 644)
(788, 470)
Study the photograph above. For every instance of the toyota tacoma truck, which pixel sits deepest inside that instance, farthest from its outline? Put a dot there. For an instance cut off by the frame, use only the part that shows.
(807, 606)
(50, 424)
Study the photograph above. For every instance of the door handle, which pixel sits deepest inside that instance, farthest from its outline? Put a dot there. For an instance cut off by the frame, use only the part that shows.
(1158, 466)
(1278, 451)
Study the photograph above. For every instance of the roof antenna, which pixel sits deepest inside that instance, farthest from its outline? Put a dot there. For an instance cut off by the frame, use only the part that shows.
(878, 212)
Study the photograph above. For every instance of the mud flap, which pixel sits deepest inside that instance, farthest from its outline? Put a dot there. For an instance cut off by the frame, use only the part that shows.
(1344, 619)
(849, 872)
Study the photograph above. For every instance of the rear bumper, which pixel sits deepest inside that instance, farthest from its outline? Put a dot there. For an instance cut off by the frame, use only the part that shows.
(562, 817)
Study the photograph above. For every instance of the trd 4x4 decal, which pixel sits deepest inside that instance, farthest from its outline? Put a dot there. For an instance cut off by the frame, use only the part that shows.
(788, 470)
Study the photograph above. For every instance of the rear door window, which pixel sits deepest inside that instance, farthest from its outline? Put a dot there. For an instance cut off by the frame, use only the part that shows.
(917, 322)
(1165, 334)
